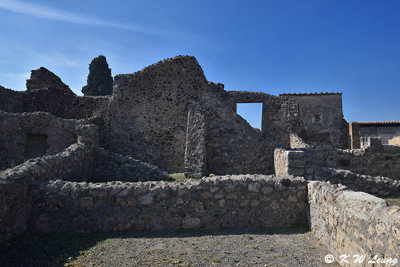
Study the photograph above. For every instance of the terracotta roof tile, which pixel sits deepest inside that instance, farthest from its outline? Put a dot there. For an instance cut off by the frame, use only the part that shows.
(310, 94)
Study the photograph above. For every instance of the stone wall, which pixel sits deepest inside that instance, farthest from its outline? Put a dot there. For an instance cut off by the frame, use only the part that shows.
(247, 97)
(109, 166)
(315, 118)
(383, 161)
(11, 101)
(230, 201)
(147, 115)
(374, 160)
(320, 164)
(28, 135)
(385, 132)
(195, 150)
(289, 162)
(75, 163)
(234, 147)
(148, 118)
(16, 205)
(395, 141)
(46, 92)
(297, 142)
(353, 223)
(321, 118)
(375, 185)
(354, 135)
(279, 114)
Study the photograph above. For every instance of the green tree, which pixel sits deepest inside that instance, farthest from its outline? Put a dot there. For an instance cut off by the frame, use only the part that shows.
(99, 80)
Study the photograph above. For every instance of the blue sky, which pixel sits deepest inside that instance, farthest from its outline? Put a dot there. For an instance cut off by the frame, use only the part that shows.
(274, 46)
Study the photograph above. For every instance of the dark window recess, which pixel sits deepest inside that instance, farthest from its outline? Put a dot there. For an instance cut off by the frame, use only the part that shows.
(317, 118)
(35, 146)
(344, 163)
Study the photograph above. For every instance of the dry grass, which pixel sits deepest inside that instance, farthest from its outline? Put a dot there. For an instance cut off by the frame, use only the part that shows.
(393, 201)
(178, 177)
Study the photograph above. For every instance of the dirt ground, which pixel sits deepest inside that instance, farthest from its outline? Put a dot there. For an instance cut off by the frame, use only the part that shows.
(287, 247)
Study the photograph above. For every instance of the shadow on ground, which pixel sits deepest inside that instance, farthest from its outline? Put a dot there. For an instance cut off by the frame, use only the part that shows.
(58, 249)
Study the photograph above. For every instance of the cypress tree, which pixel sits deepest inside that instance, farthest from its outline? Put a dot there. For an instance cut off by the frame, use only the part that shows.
(99, 80)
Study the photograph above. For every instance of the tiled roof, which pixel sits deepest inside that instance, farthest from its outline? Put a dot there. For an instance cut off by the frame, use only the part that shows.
(309, 94)
(378, 123)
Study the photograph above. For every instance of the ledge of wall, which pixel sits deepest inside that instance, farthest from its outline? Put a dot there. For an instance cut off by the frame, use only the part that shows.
(109, 166)
(352, 223)
(314, 163)
(75, 163)
(375, 185)
(225, 201)
(17, 127)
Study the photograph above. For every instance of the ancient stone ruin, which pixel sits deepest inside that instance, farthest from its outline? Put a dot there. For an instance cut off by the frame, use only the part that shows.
(90, 164)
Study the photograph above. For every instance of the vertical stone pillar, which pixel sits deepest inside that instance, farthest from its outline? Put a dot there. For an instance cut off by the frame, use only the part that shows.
(88, 135)
(354, 132)
(289, 162)
(264, 117)
(195, 151)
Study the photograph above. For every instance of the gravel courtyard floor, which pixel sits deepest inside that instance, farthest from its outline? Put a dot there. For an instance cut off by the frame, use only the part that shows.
(289, 247)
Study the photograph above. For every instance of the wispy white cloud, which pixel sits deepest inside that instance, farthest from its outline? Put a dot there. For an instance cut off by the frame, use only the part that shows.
(59, 15)
(16, 75)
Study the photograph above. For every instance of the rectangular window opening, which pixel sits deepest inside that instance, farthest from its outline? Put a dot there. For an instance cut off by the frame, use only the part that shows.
(317, 118)
(251, 112)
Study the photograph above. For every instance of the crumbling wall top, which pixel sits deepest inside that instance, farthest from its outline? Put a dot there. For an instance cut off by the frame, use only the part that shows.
(42, 78)
(176, 65)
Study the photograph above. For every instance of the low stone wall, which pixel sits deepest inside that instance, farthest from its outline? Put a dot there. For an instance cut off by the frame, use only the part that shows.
(374, 160)
(15, 205)
(293, 162)
(74, 163)
(20, 131)
(289, 162)
(226, 201)
(109, 166)
(376, 185)
(353, 223)
(385, 162)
